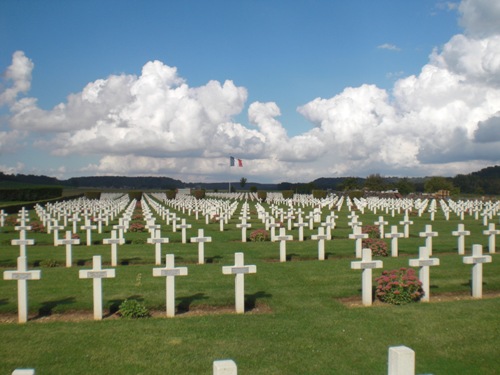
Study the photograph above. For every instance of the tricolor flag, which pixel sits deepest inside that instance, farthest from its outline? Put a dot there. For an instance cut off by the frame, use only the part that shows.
(232, 162)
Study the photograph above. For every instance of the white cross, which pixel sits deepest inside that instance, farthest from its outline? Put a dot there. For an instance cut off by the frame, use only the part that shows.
(239, 270)
(75, 219)
(201, 245)
(170, 272)
(121, 227)
(243, 225)
(183, 227)
(477, 259)
(289, 218)
(283, 238)
(394, 235)
(428, 234)
(424, 262)
(366, 264)
(358, 237)
(329, 225)
(88, 227)
(3, 215)
(157, 240)
(273, 225)
(22, 242)
(461, 233)
(69, 242)
(99, 220)
(97, 274)
(22, 275)
(301, 226)
(224, 367)
(56, 228)
(381, 224)
(491, 232)
(320, 237)
(406, 223)
(113, 241)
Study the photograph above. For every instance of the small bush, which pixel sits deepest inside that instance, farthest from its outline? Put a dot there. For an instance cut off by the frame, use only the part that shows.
(137, 227)
(287, 194)
(133, 309)
(377, 245)
(319, 194)
(262, 195)
(171, 194)
(49, 263)
(399, 287)
(37, 227)
(259, 235)
(373, 231)
(198, 194)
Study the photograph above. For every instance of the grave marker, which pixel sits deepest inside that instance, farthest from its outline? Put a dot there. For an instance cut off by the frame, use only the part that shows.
(491, 232)
(97, 273)
(461, 233)
(68, 241)
(394, 235)
(367, 264)
(184, 227)
(283, 237)
(320, 237)
(424, 262)
(157, 240)
(170, 272)
(22, 275)
(225, 367)
(201, 245)
(401, 361)
(239, 270)
(428, 234)
(477, 259)
(358, 237)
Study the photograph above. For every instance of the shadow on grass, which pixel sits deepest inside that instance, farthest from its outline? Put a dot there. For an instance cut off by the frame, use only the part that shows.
(48, 306)
(214, 259)
(251, 299)
(114, 304)
(185, 302)
(4, 301)
(82, 262)
(127, 261)
(290, 256)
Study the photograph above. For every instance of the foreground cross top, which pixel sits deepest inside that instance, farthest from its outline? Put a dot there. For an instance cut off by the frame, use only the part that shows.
(170, 272)
(97, 273)
(22, 275)
(424, 262)
(239, 270)
(477, 259)
(366, 264)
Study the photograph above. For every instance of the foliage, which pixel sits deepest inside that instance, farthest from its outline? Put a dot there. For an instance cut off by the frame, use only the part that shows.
(436, 183)
(356, 194)
(319, 194)
(262, 195)
(349, 183)
(287, 194)
(375, 182)
(133, 309)
(30, 194)
(253, 189)
(49, 263)
(399, 287)
(259, 235)
(171, 194)
(137, 227)
(199, 193)
(373, 231)
(243, 182)
(93, 195)
(137, 195)
(377, 245)
(37, 227)
(405, 186)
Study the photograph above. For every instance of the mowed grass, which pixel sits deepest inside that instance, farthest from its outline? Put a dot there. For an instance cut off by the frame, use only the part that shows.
(295, 322)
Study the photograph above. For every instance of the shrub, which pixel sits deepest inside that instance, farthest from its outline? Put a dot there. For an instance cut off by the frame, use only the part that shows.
(49, 263)
(137, 227)
(198, 194)
(287, 194)
(319, 194)
(262, 195)
(133, 309)
(399, 287)
(37, 227)
(377, 246)
(259, 235)
(373, 231)
(171, 194)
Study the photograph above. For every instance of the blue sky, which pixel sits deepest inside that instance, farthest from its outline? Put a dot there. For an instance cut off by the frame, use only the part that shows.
(315, 88)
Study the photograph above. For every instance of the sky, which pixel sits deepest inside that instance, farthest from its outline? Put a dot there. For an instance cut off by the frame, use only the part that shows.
(296, 89)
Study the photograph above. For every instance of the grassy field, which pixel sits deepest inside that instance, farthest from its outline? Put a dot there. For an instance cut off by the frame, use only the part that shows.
(303, 316)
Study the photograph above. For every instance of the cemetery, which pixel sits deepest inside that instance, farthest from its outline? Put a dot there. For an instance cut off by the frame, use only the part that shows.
(274, 286)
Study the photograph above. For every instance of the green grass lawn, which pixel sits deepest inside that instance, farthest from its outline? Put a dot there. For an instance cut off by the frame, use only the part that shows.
(296, 322)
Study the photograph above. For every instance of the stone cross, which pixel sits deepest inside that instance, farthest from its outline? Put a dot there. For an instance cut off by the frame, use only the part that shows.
(301, 226)
(491, 232)
(401, 361)
(320, 237)
(477, 259)
(201, 245)
(461, 233)
(428, 234)
(239, 270)
(88, 227)
(381, 223)
(3, 216)
(283, 237)
(22, 242)
(243, 225)
(120, 227)
(97, 274)
(366, 264)
(68, 241)
(184, 227)
(328, 225)
(424, 262)
(99, 220)
(221, 222)
(406, 225)
(157, 240)
(170, 272)
(273, 225)
(22, 275)
(289, 216)
(113, 241)
(74, 219)
(56, 228)
(358, 237)
(394, 235)
(225, 367)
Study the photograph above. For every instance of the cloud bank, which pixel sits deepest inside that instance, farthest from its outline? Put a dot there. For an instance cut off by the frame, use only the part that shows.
(445, 120)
